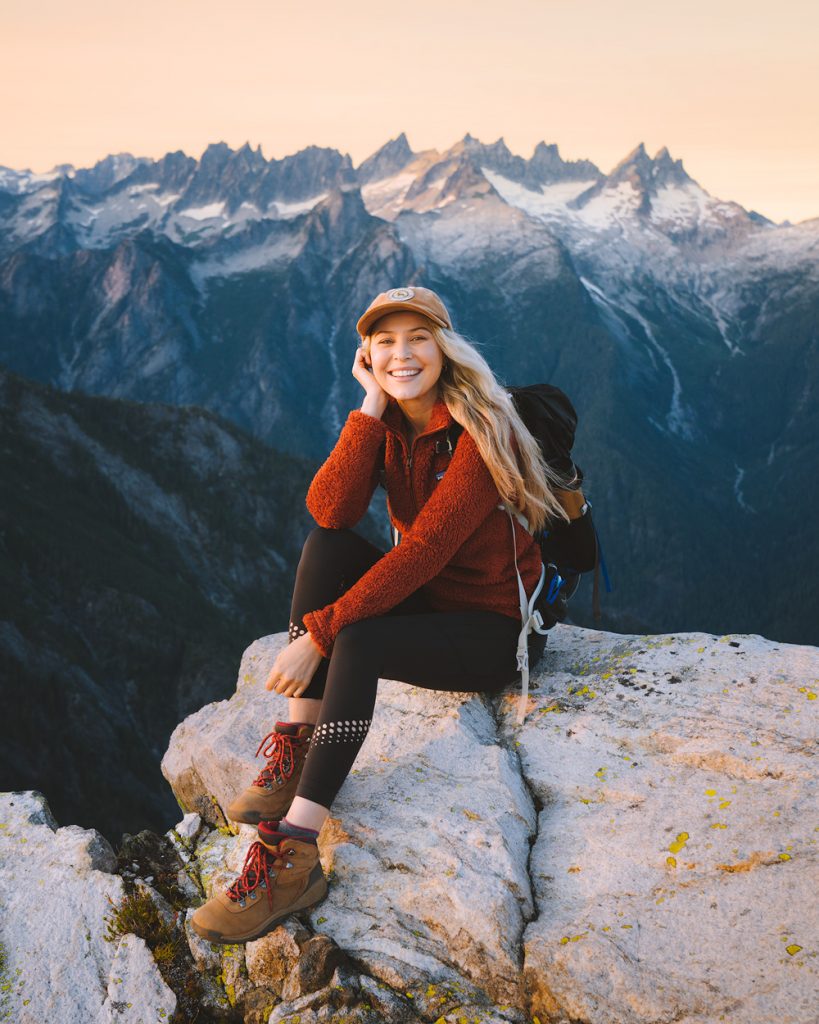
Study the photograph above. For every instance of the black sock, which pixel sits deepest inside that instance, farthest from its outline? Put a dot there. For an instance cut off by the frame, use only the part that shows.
(289, 829)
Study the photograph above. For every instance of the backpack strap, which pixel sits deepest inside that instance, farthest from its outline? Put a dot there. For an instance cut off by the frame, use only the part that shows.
(448, 444)
(530, 617)
(599, 564)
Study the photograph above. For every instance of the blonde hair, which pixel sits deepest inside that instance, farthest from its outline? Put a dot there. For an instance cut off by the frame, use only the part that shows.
(483, 407)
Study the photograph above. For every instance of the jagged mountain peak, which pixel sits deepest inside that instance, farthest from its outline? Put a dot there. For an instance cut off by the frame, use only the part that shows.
(638, 153)
(218, 154)
(64, 170)
(251, 158)
(471, 146)
(667, 168)
(399, 146)
(115, 160)
(108, 171)
(659, 191)
(391, 158)
(451, 176)
(499, 149)
(546, 165)
(214, 148)
(461, 172)
(215, 157)
(647, 174)
(546, 149)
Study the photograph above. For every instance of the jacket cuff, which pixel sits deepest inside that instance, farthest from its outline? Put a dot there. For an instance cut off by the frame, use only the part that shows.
(362, 421)
(315, 627)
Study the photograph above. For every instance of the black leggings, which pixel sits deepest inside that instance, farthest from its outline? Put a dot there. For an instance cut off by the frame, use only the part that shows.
(469, 651)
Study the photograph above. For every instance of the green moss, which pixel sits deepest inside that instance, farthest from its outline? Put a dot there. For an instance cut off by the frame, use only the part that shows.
(188, 866)
(136, 914)
(5, 985)
(165, 952)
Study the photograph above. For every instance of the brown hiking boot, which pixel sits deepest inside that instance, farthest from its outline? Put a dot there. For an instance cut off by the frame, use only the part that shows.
(275, 882)
(272, 791)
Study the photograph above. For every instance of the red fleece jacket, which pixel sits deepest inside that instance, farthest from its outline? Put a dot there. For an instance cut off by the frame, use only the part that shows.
(456, 543)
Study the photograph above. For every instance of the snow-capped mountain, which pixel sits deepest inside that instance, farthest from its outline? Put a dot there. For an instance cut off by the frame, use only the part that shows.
(683, 326)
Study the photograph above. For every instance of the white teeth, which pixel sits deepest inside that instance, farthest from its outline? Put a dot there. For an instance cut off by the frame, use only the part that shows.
(404, 373)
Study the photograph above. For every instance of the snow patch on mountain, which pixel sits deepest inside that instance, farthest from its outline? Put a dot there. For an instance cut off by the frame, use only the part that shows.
(385, 198)
(36, 213)
(274, 250)
(469, 232)
(789, 247)
(101, 224)
(738, 490)
(103, 221)
(719, 301)
(610, 314)
(679, 419)
(549, 202)
(287, 211)
(208, 212)
(18, 182)
(688, 205)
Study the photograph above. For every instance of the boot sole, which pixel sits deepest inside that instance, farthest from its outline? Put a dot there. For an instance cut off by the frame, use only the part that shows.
(314, 893)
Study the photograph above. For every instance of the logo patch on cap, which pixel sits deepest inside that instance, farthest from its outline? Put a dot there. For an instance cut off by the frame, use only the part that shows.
(401, 294)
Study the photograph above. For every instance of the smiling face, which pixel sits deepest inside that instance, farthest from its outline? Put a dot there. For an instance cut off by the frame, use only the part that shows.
(405, 358)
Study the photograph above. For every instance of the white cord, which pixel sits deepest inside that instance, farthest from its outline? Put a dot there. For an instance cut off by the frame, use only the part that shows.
(531, 619)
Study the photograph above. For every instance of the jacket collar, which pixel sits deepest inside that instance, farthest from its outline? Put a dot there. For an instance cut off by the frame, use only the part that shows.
(440, 419)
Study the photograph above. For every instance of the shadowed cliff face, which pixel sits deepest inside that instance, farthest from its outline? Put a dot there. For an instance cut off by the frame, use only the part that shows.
(640, 849)
(141, 547)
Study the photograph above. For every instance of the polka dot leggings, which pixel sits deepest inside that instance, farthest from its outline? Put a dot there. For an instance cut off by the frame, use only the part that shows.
(470, 651)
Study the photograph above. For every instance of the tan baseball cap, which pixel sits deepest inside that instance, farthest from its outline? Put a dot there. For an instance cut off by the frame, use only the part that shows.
(396, 300)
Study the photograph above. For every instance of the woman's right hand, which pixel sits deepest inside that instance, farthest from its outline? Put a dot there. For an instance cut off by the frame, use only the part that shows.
(294, 667)
(375, 401)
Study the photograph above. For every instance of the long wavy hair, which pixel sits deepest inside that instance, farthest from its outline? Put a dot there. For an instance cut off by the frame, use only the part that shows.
(483, 407)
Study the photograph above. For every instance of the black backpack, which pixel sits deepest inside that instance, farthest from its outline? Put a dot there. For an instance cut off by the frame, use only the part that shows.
(572, 548)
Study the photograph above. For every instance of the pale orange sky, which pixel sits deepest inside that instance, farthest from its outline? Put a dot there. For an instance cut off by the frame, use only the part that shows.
(730, 86)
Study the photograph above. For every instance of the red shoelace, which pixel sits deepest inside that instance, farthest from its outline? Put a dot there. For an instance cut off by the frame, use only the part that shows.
(255, 871)
(281, 754)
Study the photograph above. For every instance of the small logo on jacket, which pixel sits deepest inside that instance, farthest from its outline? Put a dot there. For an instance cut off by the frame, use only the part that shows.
(401, 294)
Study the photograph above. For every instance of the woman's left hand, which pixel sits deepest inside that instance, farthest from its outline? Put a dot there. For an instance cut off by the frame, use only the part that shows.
(294, 667)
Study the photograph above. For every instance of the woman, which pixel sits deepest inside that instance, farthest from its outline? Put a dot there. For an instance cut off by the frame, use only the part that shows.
(440, 610)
